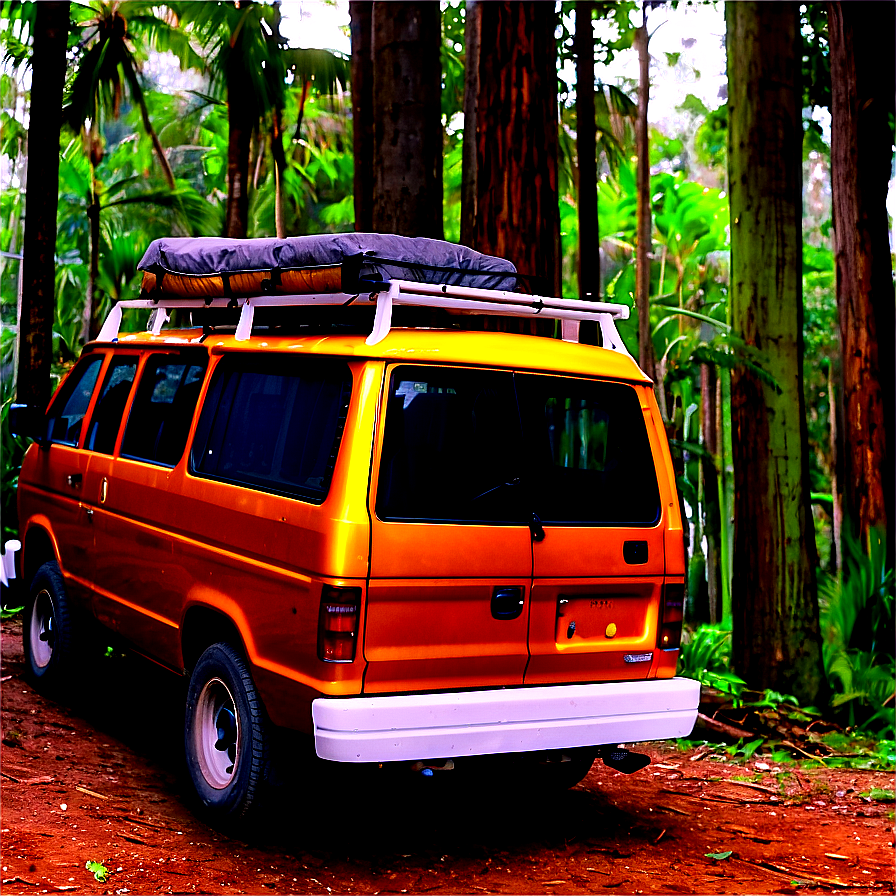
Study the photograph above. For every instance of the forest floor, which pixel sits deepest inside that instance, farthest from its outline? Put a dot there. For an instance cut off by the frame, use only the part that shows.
(99, 780)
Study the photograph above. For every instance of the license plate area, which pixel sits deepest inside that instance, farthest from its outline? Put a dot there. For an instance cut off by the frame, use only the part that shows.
(617, 616)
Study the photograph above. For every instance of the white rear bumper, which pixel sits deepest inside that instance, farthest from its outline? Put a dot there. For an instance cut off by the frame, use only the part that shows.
(513, 720)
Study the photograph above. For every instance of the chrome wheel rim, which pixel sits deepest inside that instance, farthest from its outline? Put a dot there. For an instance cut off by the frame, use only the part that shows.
(217, 734)
(42, 630)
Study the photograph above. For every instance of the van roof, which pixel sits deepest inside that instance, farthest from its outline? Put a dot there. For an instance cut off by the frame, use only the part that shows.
(417, 345)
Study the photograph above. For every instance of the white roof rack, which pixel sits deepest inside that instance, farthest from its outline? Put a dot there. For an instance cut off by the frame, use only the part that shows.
(570, 312)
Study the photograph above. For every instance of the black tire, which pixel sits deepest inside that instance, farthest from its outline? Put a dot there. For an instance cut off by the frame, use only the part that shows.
(226, 738)
(48, 630)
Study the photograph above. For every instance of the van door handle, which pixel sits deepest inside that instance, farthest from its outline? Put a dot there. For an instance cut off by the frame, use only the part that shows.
(74, 480)
(507, 602)
(536, 528)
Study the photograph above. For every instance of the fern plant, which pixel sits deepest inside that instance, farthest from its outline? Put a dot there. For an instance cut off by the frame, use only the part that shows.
(857, 621)
(706, 657)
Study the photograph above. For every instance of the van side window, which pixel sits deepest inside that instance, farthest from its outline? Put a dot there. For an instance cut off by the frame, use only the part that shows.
(109, 410)
(590, 459)
(160, 417)
(274, 425)
(67, 412)
(451, 447)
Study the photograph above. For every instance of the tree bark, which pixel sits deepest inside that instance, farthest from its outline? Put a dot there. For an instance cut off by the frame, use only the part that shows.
(586, 150)
(775, 610)
(90, 326)
(360, 12)
(862, 65)
(407, 158)
(279, 157)
(41, 200)
(712, 510)
(472, 44)
(242, 117)
(517, 209)
(644, 253)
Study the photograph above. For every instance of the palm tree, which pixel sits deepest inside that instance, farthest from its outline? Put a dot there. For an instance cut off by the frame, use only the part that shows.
(108, 61)
(248, 61)
(50, 30)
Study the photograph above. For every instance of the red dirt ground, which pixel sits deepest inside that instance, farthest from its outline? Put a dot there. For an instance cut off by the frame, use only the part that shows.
(100, 780)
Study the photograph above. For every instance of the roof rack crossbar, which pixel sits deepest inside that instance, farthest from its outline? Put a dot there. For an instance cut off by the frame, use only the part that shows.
(464, 299)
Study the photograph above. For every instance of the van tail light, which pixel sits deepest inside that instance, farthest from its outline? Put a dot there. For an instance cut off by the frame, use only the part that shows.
(337, 627)
(671, 616)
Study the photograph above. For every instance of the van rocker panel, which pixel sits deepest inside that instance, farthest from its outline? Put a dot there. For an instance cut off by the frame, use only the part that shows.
(471, 723)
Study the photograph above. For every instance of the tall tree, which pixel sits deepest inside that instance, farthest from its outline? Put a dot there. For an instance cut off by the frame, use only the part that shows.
(775, 611)
(360, 12)
(111, 40)
(517, 210)
(862, 66)
(407, 158)
(472, 42)
(644, 243)
(586, 151)
(51, 27)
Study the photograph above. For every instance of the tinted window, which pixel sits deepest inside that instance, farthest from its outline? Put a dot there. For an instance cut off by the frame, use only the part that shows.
(274, 424)
(160, 417)
(451, 447)
(109, 410)
(67, 411)
(590, 461)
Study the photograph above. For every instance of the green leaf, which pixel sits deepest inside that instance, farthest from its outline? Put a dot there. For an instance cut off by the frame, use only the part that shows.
(880, 794)
(99, 871)
(719, 856)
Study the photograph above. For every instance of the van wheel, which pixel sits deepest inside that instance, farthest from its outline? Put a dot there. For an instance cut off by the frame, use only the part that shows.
(225, 734)
(47, 630)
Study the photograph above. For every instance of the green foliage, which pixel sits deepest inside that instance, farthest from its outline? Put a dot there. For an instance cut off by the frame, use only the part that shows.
(711, 139)
(857, 616)
(12, 450)
(706, 657)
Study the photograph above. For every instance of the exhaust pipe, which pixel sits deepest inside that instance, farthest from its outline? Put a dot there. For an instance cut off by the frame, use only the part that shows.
(623, 760)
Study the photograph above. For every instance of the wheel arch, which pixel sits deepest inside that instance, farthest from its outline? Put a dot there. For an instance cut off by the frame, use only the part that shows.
(203, 626)
(38, 547)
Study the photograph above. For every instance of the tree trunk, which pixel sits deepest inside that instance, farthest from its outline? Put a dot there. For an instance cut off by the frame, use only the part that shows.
(362, 111)
(279, 157)
(775, 610)
(242, 116)
(407, 160)
(644, 254)
(586, 152)
(472, 44)
(41, 198)
(862, 64)
(89, 325)
(712, 510)
(517, 208)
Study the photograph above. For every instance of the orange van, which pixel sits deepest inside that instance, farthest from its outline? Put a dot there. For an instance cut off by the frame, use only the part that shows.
(421, 544)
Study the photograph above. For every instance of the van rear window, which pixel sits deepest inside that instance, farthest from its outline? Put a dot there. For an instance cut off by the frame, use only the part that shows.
(589, 455)
(273, 424)
(483, 446)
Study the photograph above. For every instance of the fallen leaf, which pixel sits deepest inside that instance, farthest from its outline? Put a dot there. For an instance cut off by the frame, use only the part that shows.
(719, 856)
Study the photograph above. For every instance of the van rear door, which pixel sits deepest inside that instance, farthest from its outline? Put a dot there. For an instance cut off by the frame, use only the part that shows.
(598, 570)
(451, 556)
